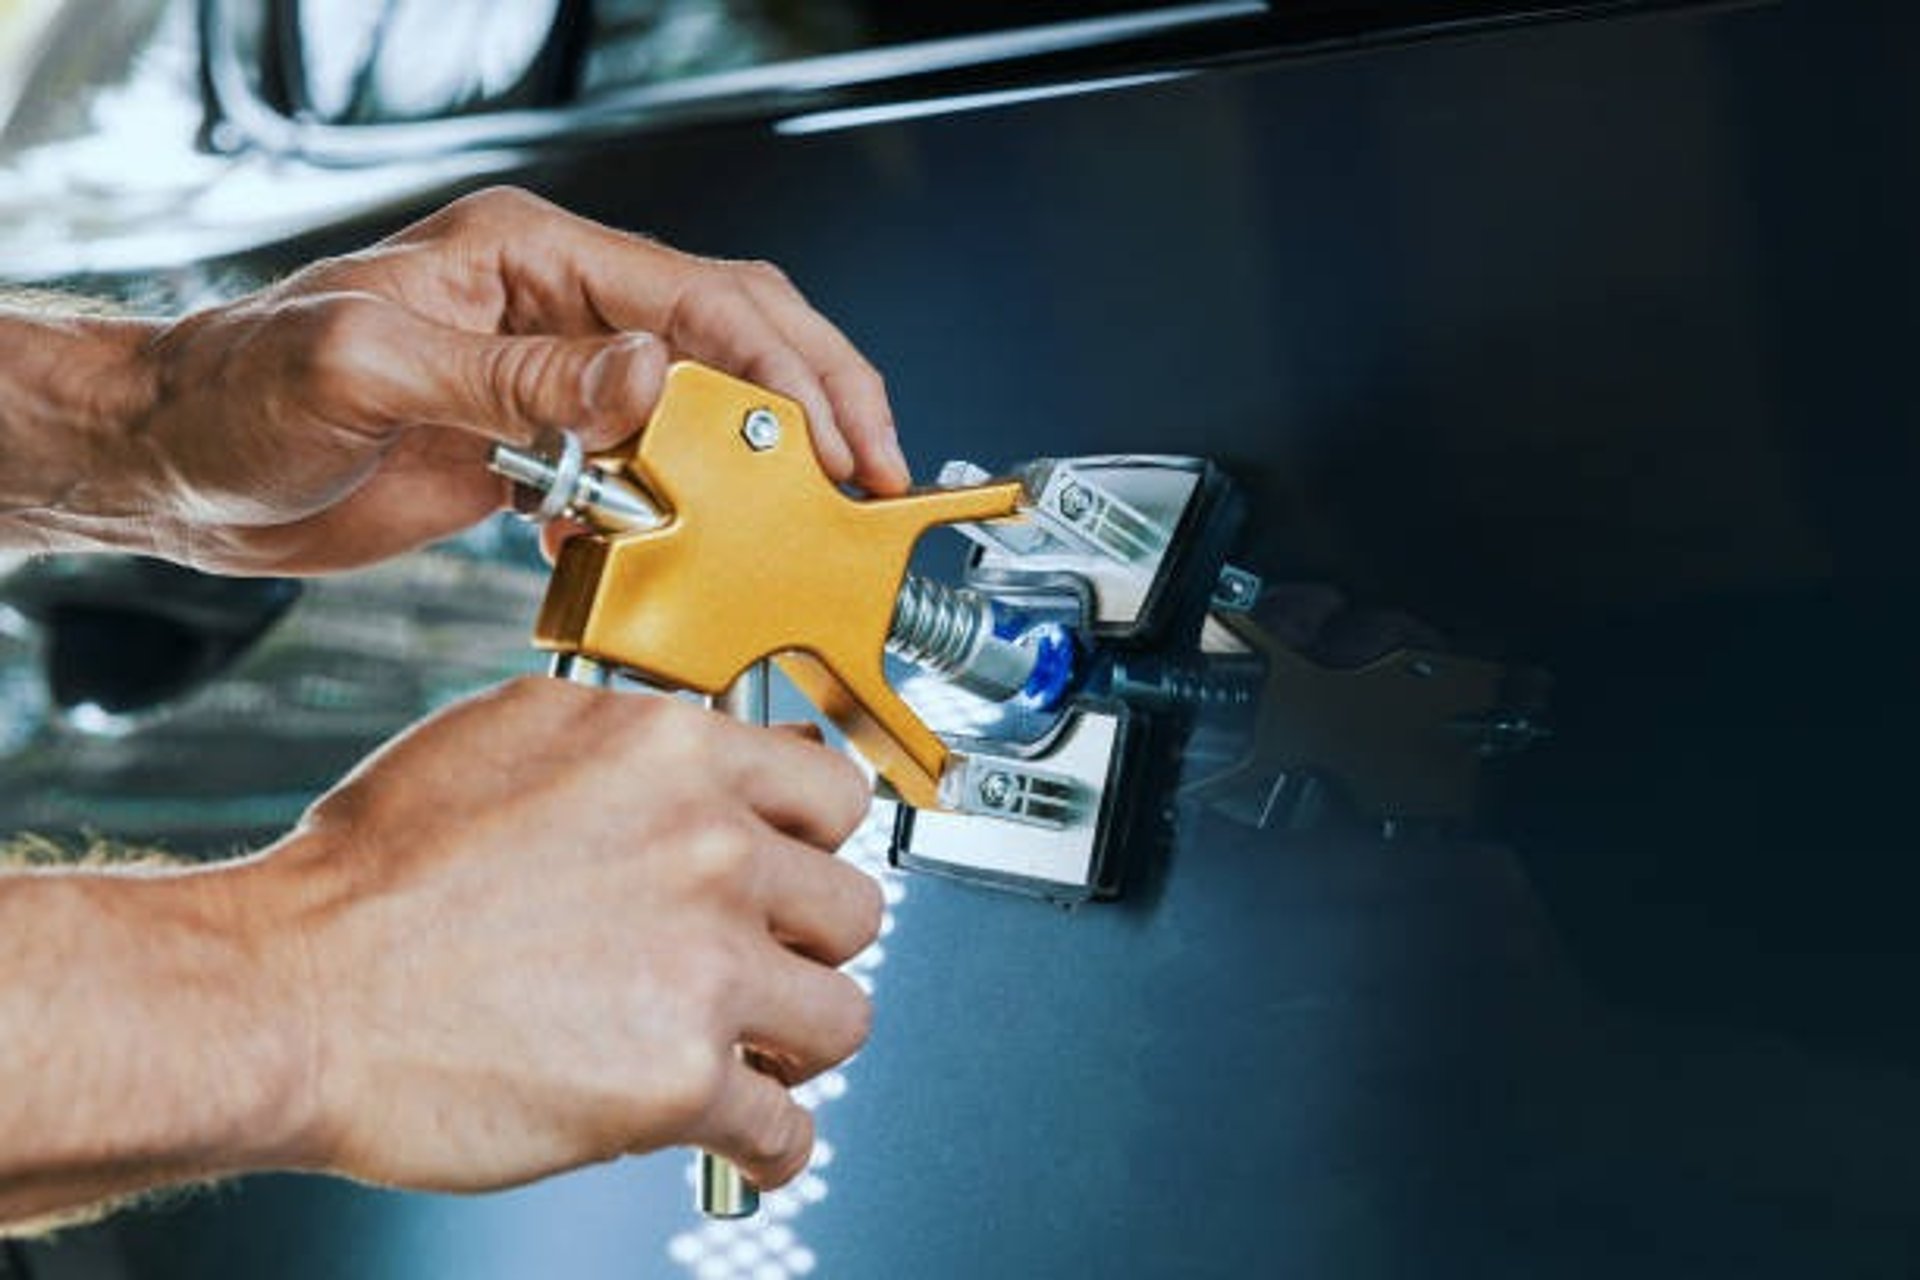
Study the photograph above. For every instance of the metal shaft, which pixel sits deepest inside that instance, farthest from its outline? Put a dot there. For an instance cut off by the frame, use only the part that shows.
(575, 669)
(568, 485)
(724, 1191)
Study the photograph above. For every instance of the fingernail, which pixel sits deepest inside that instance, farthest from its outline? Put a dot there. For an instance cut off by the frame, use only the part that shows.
(605, 380)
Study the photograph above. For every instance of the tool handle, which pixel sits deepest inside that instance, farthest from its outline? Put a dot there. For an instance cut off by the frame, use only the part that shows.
(723, 1190)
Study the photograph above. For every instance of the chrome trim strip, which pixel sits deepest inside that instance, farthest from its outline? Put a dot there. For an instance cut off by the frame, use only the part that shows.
(718, 95)
(888, 113)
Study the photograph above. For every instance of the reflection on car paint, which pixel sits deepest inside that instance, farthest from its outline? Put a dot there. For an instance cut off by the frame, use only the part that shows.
(771, 1246)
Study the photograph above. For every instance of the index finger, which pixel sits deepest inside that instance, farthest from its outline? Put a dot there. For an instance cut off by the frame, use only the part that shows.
(858, 392)
(567, 274)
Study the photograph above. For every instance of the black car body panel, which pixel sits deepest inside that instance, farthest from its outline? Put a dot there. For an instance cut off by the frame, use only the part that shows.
(1585, 344)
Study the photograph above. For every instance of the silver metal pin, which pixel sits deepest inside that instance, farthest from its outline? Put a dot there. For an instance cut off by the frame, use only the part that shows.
(567, 484)
(724, 1191)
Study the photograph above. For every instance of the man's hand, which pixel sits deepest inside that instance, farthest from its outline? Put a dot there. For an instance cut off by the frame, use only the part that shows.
(523, 961)
(345, 414)
(536, 931)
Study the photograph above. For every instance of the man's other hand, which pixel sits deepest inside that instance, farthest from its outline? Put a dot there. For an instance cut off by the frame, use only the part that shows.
(344, 415)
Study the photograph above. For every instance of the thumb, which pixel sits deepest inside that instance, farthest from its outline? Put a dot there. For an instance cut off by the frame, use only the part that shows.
(515, 389)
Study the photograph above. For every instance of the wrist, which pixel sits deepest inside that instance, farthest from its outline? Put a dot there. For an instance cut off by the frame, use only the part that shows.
(75, 392)
(289, 906)
(266, 913)
(235, 979)
(159, 1033)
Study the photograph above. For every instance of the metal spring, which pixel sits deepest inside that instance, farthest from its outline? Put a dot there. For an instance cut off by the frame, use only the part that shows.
(936, 625)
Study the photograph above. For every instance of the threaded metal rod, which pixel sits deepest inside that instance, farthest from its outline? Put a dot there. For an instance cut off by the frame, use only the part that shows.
(950, 632)
(1209, 684)
(935, 626)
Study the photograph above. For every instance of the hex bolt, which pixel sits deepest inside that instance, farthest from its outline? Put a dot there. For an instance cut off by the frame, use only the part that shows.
(761, 430)
(996, 789)
(1075, 503)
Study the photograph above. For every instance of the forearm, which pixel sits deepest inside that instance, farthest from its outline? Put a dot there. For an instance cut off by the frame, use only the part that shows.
(74, 390)
(148, 1039)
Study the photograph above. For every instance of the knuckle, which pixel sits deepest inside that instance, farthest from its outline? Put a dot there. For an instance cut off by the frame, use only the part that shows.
(715, 850)
(673, 737)
(330, 275)
(766, 272)
(492, 208)
(687, 1072)
(712, 301)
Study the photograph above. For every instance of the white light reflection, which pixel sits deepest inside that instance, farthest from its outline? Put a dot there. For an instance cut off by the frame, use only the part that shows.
(947, 708)
(894, 112)
(768, 1246)
(96, 721)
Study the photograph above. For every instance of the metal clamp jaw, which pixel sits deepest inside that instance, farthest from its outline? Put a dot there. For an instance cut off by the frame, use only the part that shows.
(1127, 555)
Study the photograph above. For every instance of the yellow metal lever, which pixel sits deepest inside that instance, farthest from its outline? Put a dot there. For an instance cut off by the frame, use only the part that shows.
(761, 556)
